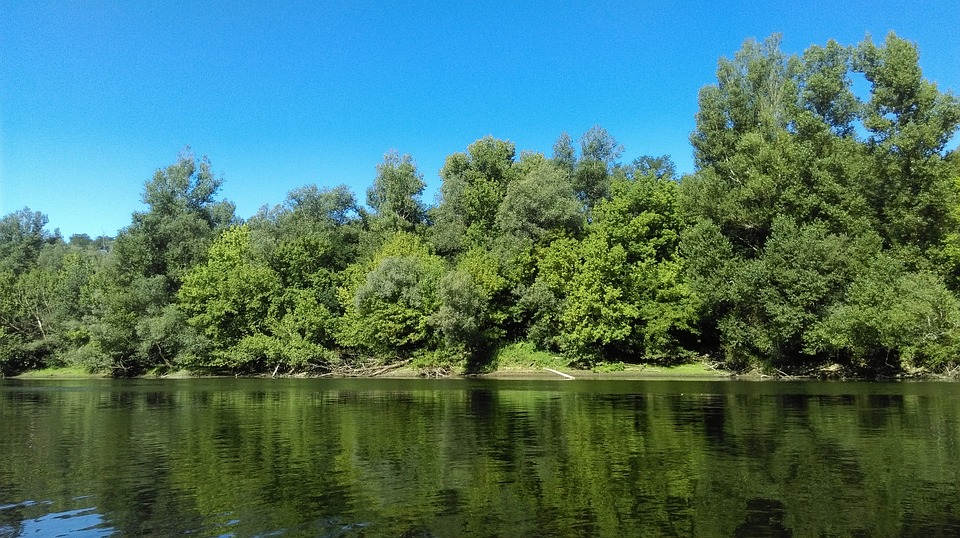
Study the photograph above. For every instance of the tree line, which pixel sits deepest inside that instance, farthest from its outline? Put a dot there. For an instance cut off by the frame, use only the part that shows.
(820, 228)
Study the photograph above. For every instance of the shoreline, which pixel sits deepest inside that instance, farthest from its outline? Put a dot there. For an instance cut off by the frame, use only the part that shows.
(693, 372)
(683, 372)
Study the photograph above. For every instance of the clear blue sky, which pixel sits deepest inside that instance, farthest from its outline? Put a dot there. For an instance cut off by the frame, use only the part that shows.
(96, 95)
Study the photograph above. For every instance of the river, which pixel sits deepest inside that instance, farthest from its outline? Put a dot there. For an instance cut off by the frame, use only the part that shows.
(366, 457)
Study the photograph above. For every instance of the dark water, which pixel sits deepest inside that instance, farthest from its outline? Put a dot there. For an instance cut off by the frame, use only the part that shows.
(478, 458)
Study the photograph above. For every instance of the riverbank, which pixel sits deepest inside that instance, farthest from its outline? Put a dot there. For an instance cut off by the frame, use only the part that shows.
(68, 372)
(693, 371)
(683, 372)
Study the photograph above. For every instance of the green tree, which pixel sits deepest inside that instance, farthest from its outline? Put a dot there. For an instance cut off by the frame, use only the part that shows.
(772, 200)
(891, 318)
(626, 298)
(476, 305)
(540, 205)
(229, 299)
(541, 302)
(389, 299)
(181, 221)
(136, 323)
(909, 121)
(563, 153)
(26, 312)
(22, 236)
(308, 241)
(315, 233)
(599, 153)
(789, 205)
(661, 167)
(474, 185)
(395, 194)
(40, 300)
(463, 316)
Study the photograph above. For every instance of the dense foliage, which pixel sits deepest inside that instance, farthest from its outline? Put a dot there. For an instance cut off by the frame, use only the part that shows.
(821, 228)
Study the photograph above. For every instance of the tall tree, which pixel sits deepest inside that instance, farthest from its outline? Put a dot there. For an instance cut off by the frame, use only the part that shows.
(623, 295)
(564, 154)
(308, 242)
(909, 123)
(789, 205)
(181, 221)
(474, 184)
(395, 194)
(22, 236)
(138, 324)
(539, 206)
(599, 152)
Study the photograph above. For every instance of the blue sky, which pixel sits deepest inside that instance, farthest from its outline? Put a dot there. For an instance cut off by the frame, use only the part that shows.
(96, 95)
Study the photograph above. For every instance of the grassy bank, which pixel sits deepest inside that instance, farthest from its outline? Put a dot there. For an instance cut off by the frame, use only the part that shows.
(514, 361)
(638, 372)
(523, 360)
(508, 371)
(63, 372)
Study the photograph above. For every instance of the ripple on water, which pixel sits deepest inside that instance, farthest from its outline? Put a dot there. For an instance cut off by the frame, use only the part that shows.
(35, 518)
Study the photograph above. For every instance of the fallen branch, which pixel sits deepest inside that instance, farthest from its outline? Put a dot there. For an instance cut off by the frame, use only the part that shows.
(389, 367)
(561, 374)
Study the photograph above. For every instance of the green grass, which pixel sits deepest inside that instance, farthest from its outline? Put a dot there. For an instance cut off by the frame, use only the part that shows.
(519, 356)
(60, 372)
(524, 355)
(695, 369)
(170, 373)
(606, 367)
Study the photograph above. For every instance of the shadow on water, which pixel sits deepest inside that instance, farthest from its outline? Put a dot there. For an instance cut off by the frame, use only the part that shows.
(764, 519)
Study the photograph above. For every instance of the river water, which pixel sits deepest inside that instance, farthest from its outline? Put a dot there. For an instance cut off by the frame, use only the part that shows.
(261, 457)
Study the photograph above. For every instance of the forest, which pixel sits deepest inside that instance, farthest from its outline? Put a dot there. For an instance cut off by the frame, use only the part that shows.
(820, 230)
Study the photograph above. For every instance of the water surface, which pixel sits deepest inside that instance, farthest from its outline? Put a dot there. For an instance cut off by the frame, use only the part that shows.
(248, 457)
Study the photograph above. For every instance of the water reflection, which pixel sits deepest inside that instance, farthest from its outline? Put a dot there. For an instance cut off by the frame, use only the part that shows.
(33, 518)
(764, 518)
(443, 458)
